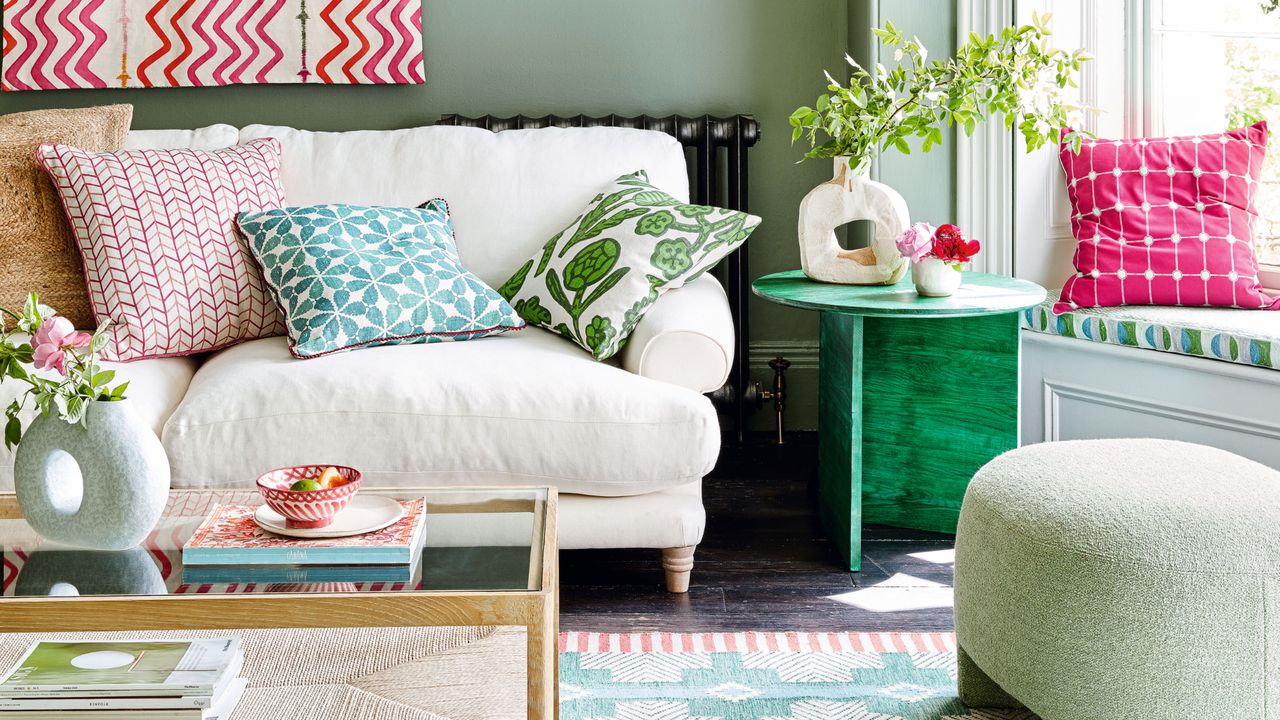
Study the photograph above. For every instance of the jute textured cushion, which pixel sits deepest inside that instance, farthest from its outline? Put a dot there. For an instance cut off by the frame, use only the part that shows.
(1120, 579)
(37, 252)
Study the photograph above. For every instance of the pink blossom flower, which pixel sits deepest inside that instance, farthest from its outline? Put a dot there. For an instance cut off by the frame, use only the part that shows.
(54, 337)
(916, 242)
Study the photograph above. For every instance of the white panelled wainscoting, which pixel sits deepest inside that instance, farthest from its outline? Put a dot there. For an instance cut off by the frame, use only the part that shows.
(1075, 389)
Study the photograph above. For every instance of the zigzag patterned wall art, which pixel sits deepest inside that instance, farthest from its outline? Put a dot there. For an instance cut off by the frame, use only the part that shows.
(62, 44)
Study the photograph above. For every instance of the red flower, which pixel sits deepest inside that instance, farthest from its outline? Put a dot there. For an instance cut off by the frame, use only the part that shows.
(950, 246)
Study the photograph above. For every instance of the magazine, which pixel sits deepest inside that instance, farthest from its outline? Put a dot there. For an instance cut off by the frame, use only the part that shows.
(160, 667)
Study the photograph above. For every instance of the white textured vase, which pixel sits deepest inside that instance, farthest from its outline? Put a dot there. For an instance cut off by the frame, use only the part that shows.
(849, 197)
(935, 278)
(102, 485)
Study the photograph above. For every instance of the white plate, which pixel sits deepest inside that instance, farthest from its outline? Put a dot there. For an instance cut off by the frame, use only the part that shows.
(364, 514)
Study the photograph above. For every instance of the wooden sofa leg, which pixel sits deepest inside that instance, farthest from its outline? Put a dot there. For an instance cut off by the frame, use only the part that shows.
(678, 564)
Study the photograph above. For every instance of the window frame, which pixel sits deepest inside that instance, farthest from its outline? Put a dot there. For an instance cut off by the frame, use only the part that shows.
(1141, 112)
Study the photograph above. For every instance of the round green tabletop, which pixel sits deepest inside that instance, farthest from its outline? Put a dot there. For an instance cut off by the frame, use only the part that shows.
(979, 294)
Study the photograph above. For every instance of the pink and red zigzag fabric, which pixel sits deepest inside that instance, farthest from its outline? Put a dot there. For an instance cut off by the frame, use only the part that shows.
(63, 44)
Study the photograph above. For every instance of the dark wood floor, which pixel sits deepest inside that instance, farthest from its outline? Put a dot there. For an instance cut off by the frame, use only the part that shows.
(765, 565)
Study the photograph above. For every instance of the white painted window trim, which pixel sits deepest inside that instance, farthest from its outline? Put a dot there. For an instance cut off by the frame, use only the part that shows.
(984, 162)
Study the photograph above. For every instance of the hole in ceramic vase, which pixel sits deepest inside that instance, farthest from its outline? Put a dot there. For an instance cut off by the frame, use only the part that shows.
(65, 482)
(857, 234)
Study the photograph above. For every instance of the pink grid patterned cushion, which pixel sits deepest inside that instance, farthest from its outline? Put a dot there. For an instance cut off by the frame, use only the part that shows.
(161, 258)
(1166, 221)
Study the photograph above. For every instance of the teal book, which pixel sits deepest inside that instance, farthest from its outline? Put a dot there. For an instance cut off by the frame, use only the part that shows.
(295, 574)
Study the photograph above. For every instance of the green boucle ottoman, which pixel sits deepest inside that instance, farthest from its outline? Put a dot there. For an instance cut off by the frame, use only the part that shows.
(1118, 580)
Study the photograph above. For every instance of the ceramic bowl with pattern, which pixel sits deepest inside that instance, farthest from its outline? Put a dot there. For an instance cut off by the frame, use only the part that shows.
(308, 508)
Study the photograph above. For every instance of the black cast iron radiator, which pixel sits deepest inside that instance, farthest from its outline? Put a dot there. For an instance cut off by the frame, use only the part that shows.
(717, 149)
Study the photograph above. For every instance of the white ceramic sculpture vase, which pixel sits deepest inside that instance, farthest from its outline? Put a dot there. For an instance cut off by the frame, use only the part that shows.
(935, 278)
(848, 197)
(102, 485)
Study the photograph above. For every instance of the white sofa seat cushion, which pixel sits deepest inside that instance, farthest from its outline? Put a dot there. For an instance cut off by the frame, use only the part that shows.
(525, 409)
(508, 192)
(668, 518)
(685, 339)
(155, 389)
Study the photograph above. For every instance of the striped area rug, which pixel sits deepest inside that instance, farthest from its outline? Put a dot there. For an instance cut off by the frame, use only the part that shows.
(762, 675)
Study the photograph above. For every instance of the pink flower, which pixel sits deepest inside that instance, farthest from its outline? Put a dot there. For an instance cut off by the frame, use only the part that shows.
(54, 337)
(916, 241)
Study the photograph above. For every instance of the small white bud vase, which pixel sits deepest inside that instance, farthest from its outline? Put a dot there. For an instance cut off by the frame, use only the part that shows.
(114, 499)
(935, 278)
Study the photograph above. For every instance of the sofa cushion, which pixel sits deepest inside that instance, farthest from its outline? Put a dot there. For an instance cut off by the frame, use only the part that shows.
(1246, 337)
(37, 250)
(521, 409)
(348, 276)
(595, 279)
(162, 261)
(508, 191)
(155, 389)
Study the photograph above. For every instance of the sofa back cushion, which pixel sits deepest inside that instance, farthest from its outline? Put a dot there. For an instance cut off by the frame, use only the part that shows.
(212, 137)
(508, 192)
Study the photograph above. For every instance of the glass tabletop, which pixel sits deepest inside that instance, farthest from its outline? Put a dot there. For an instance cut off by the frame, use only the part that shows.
(472, 539)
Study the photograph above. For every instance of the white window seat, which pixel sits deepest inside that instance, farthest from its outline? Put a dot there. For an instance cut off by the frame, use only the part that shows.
(1195, 374)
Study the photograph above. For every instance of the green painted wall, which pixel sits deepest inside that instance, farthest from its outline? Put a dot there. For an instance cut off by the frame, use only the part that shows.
(599, 56)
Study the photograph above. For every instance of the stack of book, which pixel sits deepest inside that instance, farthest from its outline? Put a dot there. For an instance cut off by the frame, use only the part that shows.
(142, 679)
(230, 547)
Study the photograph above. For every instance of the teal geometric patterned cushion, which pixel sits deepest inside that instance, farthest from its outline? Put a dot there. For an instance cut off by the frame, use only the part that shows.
(1244, 337)
(596, 279)
(348, 276)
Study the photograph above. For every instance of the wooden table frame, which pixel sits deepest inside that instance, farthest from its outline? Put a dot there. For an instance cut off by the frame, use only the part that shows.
(536, 610)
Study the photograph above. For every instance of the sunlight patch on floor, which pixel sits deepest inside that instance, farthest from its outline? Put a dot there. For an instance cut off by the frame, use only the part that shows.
(900, 593)
(937, 557)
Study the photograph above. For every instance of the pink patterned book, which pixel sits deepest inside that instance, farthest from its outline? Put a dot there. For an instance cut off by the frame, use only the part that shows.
(229, 536)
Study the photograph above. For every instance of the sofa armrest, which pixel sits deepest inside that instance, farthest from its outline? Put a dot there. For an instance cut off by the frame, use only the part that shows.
(685, 339)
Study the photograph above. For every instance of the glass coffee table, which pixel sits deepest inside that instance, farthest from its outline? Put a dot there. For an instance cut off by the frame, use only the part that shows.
(489, 558)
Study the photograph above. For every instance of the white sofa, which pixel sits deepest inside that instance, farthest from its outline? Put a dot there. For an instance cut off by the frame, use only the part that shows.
(627, 443)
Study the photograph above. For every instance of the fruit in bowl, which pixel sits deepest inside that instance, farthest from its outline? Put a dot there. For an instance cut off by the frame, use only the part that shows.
(309, 496)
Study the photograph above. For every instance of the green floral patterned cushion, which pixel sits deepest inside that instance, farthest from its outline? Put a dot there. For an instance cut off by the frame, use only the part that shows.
(596, 279)
(1246, 337)
(348, 276)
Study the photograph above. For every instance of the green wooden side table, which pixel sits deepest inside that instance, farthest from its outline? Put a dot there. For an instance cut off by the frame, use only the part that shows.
(915, 394)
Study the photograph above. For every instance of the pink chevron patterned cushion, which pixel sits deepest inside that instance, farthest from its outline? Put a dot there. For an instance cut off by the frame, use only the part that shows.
(161, 258)
(1166, 221)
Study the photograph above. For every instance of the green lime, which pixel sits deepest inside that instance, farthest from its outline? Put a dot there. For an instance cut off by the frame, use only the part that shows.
(305, 486)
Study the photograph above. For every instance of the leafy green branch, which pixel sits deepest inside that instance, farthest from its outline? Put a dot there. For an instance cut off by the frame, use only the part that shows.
(1015, 75)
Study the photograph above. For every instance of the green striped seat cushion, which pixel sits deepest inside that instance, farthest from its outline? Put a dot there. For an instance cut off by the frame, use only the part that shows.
(1247, 337)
